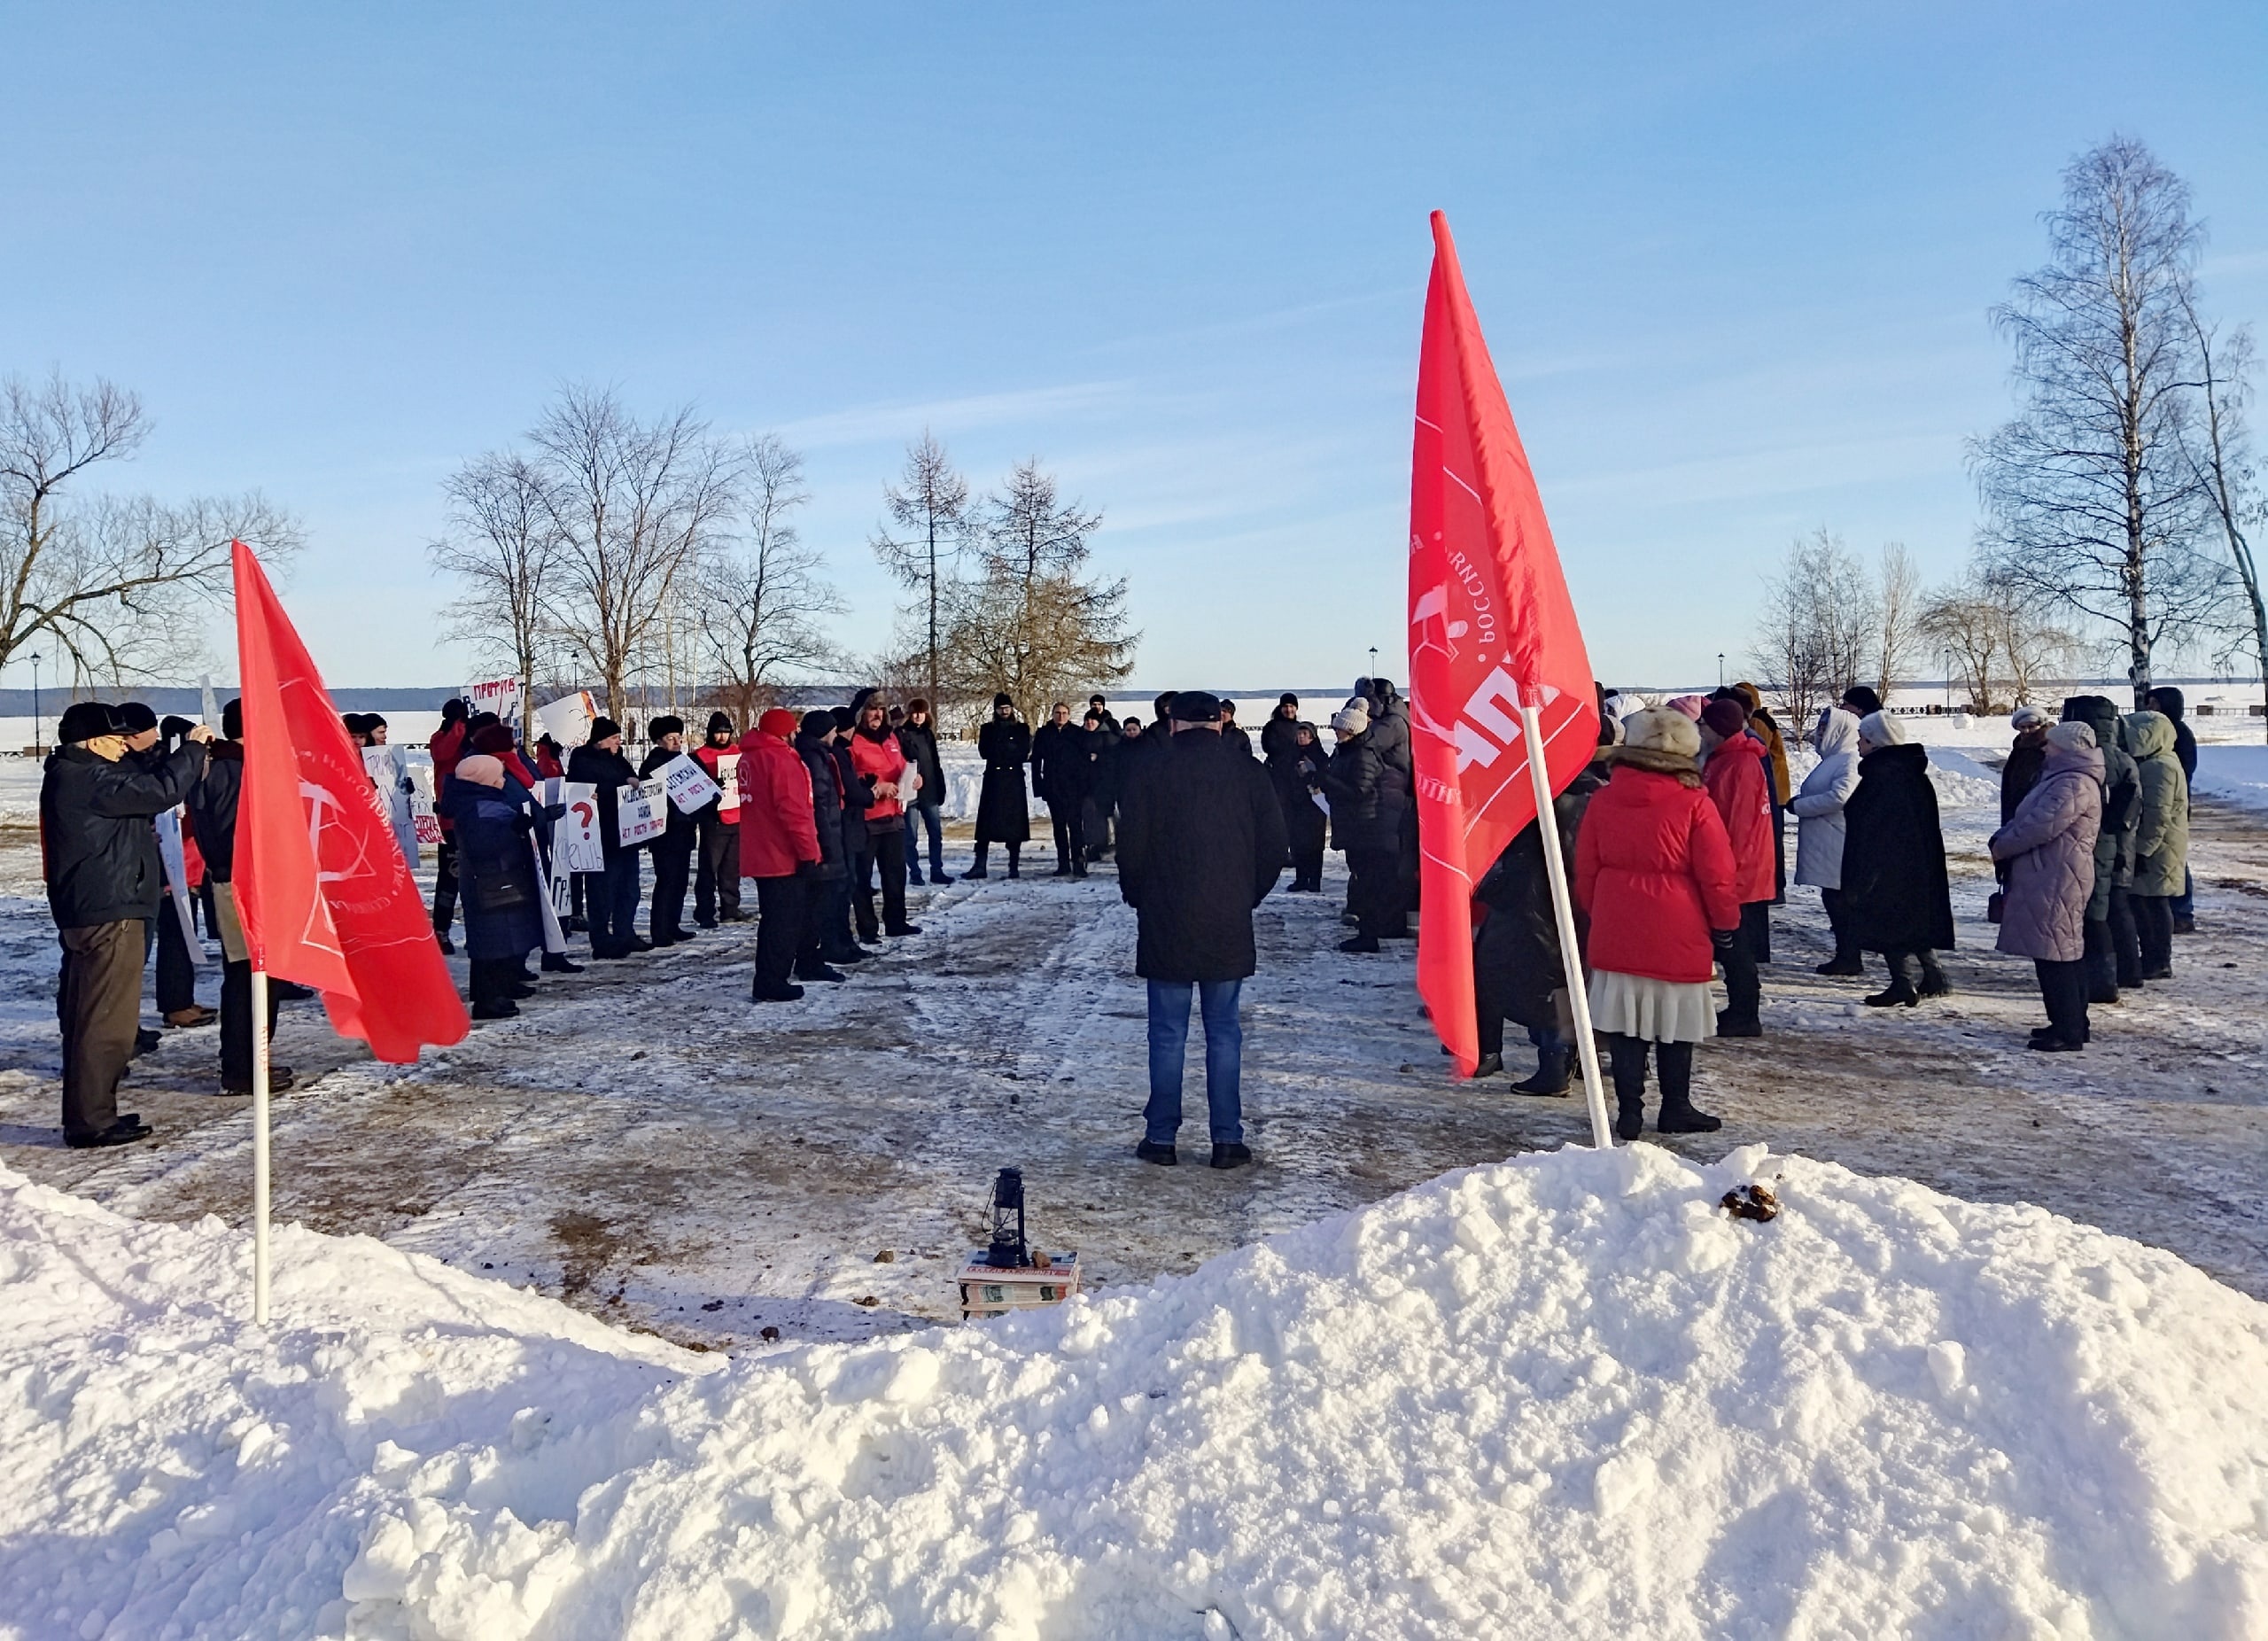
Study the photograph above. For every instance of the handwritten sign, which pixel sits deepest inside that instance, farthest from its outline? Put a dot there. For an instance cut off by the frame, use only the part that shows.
(500, 695)
(689, 787)
(728, 777)
(576, 834)
(642, 811)
(568, 720)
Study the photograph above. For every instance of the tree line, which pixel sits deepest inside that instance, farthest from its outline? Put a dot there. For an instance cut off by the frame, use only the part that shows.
(2119, 501)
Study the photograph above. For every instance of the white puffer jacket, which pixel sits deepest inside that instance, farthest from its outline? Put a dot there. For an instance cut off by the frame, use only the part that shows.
(1817, 802)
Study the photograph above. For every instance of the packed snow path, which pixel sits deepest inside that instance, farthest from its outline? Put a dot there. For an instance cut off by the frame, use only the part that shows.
(649, 1146)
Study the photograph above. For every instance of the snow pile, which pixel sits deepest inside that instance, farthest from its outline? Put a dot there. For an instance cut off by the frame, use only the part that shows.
(1961, 782)
(2235, 775)
(1568, 1394)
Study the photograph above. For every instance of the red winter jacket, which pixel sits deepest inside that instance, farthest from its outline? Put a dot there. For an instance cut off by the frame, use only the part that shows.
(1654, 871)
(885, 760)
(711, 758)
(1735, 781)
(448, 747)
(777, 832)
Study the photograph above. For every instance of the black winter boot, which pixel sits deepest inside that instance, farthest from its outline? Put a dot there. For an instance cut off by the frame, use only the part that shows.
(1678, 1114)
(1900, 993)
(1550, 1073)
(1934, 983)
(1627, 1055)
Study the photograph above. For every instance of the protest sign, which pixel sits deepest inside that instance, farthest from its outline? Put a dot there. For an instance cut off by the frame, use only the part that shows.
(728, 777)
(500, 695)
(568, 720)
(688, 784)
(642, 811)
(176, 864)
(576, 834)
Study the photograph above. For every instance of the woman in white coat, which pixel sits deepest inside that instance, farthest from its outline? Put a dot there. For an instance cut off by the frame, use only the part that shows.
(394, 786)
(1818, 808)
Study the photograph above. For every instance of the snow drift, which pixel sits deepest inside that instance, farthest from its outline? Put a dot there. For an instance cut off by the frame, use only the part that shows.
(1565, 1395)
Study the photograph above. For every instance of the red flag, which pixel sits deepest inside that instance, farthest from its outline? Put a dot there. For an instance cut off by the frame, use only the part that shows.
(322, 888)
(1491, 627)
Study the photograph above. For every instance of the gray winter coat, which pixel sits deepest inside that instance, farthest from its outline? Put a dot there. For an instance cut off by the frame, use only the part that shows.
(2048, 846)
(2162, 840)
(1818, 804)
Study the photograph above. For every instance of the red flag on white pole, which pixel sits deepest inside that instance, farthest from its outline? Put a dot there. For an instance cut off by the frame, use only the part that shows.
(1493, 638)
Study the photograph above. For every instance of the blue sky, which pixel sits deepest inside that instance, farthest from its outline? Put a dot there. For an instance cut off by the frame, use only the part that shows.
(1734, 262)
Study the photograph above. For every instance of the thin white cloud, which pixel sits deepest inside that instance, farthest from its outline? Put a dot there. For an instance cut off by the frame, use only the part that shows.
(867, 424)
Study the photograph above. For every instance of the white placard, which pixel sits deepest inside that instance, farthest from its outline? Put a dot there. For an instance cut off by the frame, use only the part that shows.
(688, 784)
(500, 695)
(728, 777)
(576, 833)
(176, 863)
(568, 720)
(642, 811)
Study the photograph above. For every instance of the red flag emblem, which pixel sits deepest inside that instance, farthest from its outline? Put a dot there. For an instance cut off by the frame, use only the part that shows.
(1491, 628)
(322, 890)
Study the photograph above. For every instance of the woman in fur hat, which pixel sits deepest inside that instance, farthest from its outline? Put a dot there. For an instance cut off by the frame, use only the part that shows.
(1654, 871)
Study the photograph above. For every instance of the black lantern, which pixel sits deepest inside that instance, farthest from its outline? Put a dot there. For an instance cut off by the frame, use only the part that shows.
(1007, 1252)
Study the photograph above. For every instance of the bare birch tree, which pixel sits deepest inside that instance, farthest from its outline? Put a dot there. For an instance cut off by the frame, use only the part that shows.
(1820, 632)
(631, 507)
(2221, 454)
(930, 509)
(2092, 503)
(1898, 617)
(120, 585)
(500, 548)
(767, 593)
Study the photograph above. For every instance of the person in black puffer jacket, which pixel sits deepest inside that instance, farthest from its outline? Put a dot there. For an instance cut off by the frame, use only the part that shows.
(673, 849)
(98, 810)
(1296, 763)
(612, 899)
(827, 938)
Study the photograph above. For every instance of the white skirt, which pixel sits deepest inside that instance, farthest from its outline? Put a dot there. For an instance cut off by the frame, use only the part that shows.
(1653, 1011)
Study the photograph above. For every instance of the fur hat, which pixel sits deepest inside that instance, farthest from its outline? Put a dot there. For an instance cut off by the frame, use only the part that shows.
(1663, 729)
(1881, 729)
(83, 721)
(1727, 718)
(2031, 718)
(601, 728)
(482, 770)
(1354, 718)
(667, 724)
(1003, 699)
(779, 722)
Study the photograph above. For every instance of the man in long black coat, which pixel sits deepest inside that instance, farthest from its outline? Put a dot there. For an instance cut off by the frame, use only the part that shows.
(1200, 844)
(1062, 772)
(96, 808)
(1003, 812)
(1895, 897)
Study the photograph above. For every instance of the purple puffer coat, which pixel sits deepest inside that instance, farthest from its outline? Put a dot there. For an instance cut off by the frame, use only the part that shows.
(2049, 844)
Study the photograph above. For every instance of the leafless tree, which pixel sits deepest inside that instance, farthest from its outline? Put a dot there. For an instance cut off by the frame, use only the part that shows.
(2221, 454)
(500, 548)
(631, 507)
(1821, 633)
(2092, 503)
(1031, 623)
(766, 594)
(1995, 638)
(120, 585)
(1897, 617)
(928, 509)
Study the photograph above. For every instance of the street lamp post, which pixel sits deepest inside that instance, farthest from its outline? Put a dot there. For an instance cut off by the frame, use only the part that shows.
(1945, 665)
(35, 744)
(1374, 660)
(1721, 669)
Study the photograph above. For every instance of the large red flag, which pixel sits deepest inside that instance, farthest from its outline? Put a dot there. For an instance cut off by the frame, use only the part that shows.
(322, 888)
(1491, 627)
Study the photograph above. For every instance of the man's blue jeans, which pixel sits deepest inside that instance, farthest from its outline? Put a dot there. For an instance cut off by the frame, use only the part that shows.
(927, 813)
(1223, 1058)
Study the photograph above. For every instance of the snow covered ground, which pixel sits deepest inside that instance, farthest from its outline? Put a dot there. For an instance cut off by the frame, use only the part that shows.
(1617, 1410)
(1564, 1395)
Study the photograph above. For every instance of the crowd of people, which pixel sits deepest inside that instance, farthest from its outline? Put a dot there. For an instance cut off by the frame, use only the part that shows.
(1674, 840)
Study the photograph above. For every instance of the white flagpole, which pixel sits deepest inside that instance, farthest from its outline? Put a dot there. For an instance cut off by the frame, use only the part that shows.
(260, 1148)
(1579, 1002)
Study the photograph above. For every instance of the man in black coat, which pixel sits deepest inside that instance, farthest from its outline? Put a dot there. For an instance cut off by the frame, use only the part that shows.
(1895, 897)
(827, 936)
(1003, 815)
(1062, 773)
(98, 811)
(1368, 800)
(1200, 842)
(613, 900)
(673, 849)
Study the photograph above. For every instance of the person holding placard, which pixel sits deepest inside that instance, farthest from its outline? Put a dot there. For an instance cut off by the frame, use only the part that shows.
(673, 849)
(613, 897)
(890, 780)
(717, 846)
